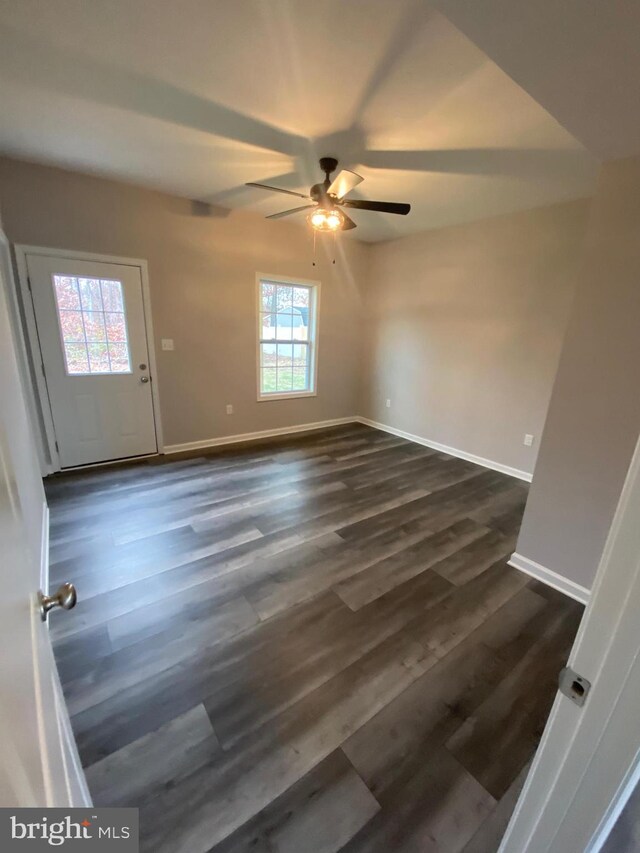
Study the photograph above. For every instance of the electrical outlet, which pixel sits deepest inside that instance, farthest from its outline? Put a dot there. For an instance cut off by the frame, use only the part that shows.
(388, 404)
(528, 440)
(167, 343)
(229, 409)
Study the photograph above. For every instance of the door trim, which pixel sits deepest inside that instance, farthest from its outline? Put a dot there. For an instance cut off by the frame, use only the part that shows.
(38, 391)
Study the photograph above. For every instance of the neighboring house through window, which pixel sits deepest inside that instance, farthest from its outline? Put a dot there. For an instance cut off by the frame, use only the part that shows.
(287, 337)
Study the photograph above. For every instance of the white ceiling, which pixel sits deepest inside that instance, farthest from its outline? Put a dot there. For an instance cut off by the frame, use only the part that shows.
(578, 58)
(196, 97)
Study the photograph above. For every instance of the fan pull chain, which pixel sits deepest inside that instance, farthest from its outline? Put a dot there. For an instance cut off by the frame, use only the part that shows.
(335, 237)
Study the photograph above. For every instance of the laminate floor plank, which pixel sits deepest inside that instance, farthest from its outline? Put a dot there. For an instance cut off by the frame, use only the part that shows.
(313, 575)
(384, 575)
(199, 564)
(358, 509)
(369, 448)
(79, 655)
(318, 814)
(439, 509)
(488, 837)
(475, 557)
(497, 740)
(221, 510)
(240, 783)
(512, 499)
(393, 467)
(157, 758)
(160, 553)
(79, 547)
(466, 608)
(393, 745)
(247, 704)
(311, 643)
(438, 808)
(146, 704)
(435, 472)
(297, 506)
(218, 578)
(147, 659)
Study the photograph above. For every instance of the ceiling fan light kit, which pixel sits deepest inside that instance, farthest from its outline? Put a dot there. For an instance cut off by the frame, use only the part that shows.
(326, 219)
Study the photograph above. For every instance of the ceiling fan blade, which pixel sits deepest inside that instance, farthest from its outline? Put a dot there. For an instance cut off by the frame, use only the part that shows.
(276, 190)
(381, 206)
(348, 222)
(344, 183)
(289, 212)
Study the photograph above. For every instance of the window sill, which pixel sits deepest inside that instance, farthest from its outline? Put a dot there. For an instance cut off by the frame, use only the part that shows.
(286, 395)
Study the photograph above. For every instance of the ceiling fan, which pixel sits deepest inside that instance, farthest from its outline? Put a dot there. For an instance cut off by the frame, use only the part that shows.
(329, 196)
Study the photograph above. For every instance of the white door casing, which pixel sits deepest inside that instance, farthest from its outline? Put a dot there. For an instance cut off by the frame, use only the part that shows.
(39, 764)
(99, 393)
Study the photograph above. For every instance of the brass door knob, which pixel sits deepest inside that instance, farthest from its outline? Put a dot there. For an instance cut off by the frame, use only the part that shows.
(144, 379)
(65, 597)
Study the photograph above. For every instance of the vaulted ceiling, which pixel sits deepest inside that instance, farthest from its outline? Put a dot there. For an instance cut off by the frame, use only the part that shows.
(580, 59)
(196, 98)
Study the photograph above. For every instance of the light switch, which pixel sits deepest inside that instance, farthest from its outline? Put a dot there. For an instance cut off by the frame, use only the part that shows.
(528, 440)
(167, 343)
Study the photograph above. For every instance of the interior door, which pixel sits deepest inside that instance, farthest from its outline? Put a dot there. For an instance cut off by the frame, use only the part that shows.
(39, 763)
(93, 341)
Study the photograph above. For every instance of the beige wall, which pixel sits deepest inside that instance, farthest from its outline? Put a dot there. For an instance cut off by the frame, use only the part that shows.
(594, 414)
(465, 328)
(202, 279)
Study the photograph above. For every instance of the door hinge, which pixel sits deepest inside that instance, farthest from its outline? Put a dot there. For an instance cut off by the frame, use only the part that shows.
(29, 284)
(573, 686)
(57, 448)
(42, 368)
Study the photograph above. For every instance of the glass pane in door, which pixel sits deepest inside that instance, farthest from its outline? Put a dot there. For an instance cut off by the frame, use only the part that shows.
(93, 325)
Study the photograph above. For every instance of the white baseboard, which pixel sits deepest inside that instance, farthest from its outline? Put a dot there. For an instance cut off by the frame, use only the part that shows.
(256, 436)
(452, 451)
(290, 430)
(541, 573)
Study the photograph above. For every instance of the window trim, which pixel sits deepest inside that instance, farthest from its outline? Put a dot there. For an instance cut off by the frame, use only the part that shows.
(314, 287)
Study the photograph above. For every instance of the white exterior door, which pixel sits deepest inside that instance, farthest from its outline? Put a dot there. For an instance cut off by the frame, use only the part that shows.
(92, 335)
(39, 764)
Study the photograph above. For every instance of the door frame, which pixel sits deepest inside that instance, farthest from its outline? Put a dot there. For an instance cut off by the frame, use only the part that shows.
(38, 387)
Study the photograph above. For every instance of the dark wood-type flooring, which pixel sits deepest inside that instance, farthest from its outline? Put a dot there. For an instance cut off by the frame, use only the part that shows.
(305, 646)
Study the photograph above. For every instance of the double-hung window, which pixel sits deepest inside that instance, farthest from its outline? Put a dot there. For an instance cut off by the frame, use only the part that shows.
(287, 337)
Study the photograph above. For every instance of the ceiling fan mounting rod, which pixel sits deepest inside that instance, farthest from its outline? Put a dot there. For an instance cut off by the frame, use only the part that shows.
(328, 165)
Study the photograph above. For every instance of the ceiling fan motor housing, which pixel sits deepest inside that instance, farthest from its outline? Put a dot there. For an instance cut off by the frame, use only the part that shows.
(318, 192)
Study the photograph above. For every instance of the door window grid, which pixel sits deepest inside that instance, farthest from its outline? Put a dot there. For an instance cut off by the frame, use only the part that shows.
(286, 338)
(93, 328)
